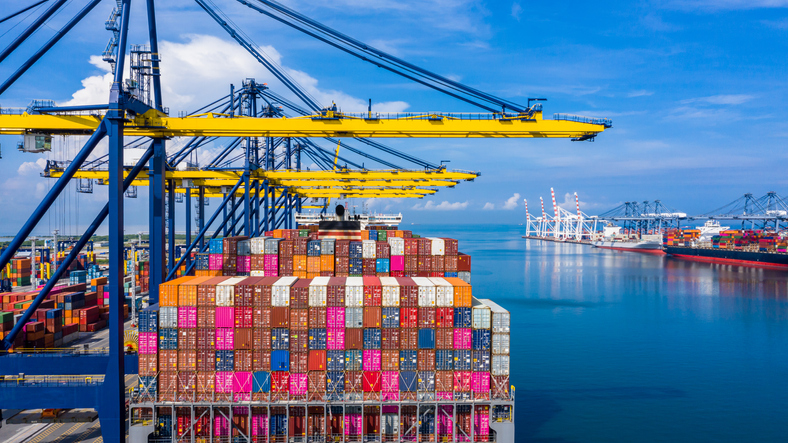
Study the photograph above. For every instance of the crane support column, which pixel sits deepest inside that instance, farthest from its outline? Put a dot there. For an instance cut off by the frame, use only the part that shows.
(156, 214)
(171, 223)
(188, 212)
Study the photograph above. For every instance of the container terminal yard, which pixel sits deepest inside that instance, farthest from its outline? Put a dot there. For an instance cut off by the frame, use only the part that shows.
(260, 328)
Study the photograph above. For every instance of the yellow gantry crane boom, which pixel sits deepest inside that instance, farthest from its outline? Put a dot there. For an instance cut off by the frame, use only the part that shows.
(326, 124)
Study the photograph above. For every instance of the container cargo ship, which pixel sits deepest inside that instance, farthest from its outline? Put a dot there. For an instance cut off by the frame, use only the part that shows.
(746, 248)
(303, 335)
(613, 239)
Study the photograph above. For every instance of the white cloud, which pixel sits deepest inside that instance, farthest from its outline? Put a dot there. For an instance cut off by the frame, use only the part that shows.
(722, 99)
(32, 168)
(443, 206)
(517, 10)
(488, 206)
(511, 202)
(640, 93)
(725, 4)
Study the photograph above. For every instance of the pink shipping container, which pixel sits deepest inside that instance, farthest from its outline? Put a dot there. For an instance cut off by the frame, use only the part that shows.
(480, 382)
(336, 317)
(445, 422)
(242, 381)
(225, 317)
(371, 360)
(397, 262)
(462, 338)
(224, 382)
(221, 426)
(225, 339)
(353, 424)
(260, 426)
(187, 317)
(462, 381)
(389, 396)
(149, 343)
(298, 384)
(243, 263)
(481, 423)
(390, 381)
(336, 339)
(215, 262)
(271, 265)
(444, 395)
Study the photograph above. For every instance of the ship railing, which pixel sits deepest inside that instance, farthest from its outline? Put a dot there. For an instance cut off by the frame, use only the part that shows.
(606, 122)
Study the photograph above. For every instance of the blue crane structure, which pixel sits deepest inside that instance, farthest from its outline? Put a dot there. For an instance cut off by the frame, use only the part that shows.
(264, 205)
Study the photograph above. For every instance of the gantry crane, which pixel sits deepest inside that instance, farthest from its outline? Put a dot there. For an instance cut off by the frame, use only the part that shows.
(131, 111)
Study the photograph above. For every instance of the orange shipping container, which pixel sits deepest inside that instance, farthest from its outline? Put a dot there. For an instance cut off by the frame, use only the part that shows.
(300, 264)
(313, 264)
(462, 292)
(168, 292)
(326, 263)
(372, 317)
(187, 292)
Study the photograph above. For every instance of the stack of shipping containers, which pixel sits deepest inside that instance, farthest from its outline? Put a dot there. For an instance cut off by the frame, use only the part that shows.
(347, 340)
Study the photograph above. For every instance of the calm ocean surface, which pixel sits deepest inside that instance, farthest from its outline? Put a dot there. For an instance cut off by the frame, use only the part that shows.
(625, 347)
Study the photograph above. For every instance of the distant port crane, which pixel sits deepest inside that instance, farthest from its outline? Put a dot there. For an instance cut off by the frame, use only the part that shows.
(562, 225)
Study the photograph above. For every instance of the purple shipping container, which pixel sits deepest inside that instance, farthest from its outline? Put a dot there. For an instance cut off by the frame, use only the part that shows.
(480, 382)
(298, 384)
(335, 339)
(225, 317)
(372, 360)
(336, 317)
(243, 263)
(225, 339)
(242, 382)
(462, 338)
(398, 263)
(215, 262)
(187, 317)
(224, 382)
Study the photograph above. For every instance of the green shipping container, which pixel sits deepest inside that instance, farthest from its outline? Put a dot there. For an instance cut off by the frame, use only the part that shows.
(382, 236)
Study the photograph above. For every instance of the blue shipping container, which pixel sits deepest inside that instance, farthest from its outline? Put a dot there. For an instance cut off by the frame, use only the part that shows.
(408, 381)
(313, 248)
(355, 266)
(481, 361)
(462, 359)
(280, 339)
(450, 274)
(463, 318)
(382, 265)
(444, 360)
(335, 360)
(55, 313)
(317, 339)
(355, 250)
(427, 425)
(372, 338)
(149, 321)
(280, 360)
(426, 338)
(390, 318)
(225, 360)
(215, 245)
(335, 381)
(261, 381)
(201, 262)
(426, 381)
(481, 339)
(353, 360)
(278, 424)
(168, 339)
(408, 360)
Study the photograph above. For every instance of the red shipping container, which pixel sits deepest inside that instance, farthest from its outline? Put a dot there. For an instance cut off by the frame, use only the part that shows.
(299, 362)
(342, 248)
(444, 381)
(390, 338)
(451, 263)
(382, 250)
(299, 342)
(244, 291)
(444, 317)
(426, 360)
(409, 317)
(261, 338)
(280, 381)
(335, 292)
(425, 263)
(280, 317)
(263, 291)
(390, 360)
(205, 359)
(243, 361)
(411, 263)
(353, 381)
(444, 338)
(244, 317)
(426, 317)
(341, 266)
(373, 291)
(206, 317)
(317, 360)
(438, 263)
(243, 338)
(261, 360)
(317, 317)
(369, 266)
(187, 339)
(187, 360)
(168, 360)
(299, 246)
(261, 316)
(409, 338)
(371, 382)
(206, 292)
(299, 318)
(354, 339)
(299, 294)
(148, 364)
(372, 317)
(408, 293)
(411, 246)
(450, 246)
(317, 382)
(206, 382)
(285, 248)
(463, 262)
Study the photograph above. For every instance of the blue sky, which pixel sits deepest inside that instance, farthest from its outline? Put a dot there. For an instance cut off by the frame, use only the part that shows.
(696, 90)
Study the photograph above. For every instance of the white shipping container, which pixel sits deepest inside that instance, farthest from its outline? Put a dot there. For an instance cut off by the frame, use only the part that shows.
(464, 276)
(501, 320)
(258, 245)
(444, 292)
(368, 248)
(390, 292)
(500, 365)
(225, 291)
(318, 291)
(280, 291)
(168, 317)
(397, 245)
(500, 344)
(244, 248)
(272, 245)
(257, 273)
(354, 317)
(426, 292)
(354, 292)
(438, 246)
(480, 315)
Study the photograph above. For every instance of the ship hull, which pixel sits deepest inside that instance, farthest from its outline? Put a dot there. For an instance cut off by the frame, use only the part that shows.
(730, 257)
(642, 247)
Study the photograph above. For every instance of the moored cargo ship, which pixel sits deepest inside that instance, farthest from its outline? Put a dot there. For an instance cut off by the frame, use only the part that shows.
(615, 240)
(746, 248)
(730, 256)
